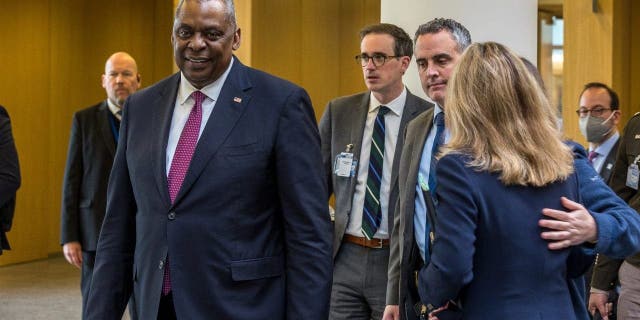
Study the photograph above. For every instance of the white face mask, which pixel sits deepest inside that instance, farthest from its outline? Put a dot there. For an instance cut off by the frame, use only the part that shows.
(595, 129)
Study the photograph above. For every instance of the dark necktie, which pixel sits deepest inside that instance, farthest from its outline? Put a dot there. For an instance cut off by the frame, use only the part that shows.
(118, 118)
(372, 215)
(437, 142)
(180, 163)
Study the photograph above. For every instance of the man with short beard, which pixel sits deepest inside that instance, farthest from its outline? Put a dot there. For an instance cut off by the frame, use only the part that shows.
(92, 146)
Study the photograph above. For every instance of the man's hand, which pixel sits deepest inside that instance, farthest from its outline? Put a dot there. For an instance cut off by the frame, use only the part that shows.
(569, 228)
(433, 315)
(598, 301)
(391, 312)
(73, 253)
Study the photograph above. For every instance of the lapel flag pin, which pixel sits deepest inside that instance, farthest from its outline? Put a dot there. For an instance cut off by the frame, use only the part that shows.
(237, 100)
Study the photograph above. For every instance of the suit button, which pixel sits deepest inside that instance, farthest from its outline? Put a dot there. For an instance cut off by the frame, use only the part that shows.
(171, 215)
(161, 264)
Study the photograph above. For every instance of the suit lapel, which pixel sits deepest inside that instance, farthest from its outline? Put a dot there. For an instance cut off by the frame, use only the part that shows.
(161, 123)
(102, 120)
(607, 166)
(229, 107)
(417, 133)
(412, 108)
(359, 116)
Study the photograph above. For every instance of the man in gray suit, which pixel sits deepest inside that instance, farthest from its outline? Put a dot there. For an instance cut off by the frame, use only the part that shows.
(92, 147)
(439, 44)
(361, 142)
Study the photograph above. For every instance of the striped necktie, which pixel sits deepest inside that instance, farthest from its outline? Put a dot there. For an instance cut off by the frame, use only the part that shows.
(372, 215)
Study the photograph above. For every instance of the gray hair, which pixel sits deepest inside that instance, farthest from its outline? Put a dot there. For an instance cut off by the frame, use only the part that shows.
(230, 10)
(460, 34)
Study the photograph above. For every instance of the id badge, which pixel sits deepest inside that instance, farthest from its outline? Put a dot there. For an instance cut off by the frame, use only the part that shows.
(632, 176)
(343, 165)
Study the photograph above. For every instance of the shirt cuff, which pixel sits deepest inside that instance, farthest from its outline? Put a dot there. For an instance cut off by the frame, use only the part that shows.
(595, 290)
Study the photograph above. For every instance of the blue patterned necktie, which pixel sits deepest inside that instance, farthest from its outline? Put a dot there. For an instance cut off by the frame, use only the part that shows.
(372, 215)
(437, 142)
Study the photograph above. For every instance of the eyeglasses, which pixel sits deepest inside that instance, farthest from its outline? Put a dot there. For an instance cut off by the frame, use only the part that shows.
(596, 111)
(378, 59)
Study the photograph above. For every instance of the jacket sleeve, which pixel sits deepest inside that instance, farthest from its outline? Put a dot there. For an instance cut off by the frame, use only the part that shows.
(618, 224)
(69, 217)
(9, 172)
(9, 167)
(303, 195)
(451, 266)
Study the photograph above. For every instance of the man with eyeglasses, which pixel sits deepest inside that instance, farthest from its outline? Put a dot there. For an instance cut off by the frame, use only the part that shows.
(599, 116)
(361, 143)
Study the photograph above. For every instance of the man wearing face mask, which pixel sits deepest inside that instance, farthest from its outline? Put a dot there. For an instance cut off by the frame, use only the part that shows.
(599, 116)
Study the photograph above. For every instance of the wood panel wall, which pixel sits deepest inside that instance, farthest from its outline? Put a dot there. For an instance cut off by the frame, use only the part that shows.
(54, 52)
(52, 57)
(601, 46)
(311, 43)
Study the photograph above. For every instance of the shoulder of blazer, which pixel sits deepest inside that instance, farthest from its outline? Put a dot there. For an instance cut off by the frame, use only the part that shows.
(414, 100)
(349, 101)
(167, 86)
(421, 119)
(90, 111)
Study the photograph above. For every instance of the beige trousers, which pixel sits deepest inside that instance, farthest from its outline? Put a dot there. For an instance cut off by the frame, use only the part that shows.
(629, 301)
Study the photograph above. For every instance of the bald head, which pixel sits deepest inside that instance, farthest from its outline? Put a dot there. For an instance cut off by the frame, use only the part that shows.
(120, 78)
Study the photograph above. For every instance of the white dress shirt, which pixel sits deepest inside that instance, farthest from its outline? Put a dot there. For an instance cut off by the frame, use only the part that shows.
(392, 126)
(184, 104)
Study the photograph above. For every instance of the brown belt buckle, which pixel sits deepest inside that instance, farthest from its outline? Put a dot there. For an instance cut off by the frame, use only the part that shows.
(380, 241)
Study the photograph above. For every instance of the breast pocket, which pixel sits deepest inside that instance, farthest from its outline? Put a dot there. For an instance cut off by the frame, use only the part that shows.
(254, 269)
(240, 150)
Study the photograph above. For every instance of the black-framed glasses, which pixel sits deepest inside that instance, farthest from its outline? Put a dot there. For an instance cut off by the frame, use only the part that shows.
(596, 111)
(378, 59)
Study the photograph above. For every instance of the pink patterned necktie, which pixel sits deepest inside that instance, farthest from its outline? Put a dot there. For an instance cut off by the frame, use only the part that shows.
(592, 155)
(180, 164)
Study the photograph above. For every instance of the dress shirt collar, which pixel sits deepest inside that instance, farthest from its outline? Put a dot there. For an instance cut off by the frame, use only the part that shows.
(436, 109)
(212, 90)
(114, 109)
(605, 147)
(396, 105)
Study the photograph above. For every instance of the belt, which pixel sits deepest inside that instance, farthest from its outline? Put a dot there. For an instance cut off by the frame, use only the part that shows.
(369, 243)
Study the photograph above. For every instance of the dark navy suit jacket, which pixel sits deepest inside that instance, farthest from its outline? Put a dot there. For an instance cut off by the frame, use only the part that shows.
(248, 235)
(618, 225)
(9, 178)
(488, 250)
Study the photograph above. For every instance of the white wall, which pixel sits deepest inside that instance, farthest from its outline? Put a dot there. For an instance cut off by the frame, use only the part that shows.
(513, 23)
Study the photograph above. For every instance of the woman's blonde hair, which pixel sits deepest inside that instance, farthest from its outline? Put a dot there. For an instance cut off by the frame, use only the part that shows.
(499, 115)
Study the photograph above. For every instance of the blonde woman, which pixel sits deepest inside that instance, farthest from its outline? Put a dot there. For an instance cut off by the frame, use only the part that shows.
(504, 163)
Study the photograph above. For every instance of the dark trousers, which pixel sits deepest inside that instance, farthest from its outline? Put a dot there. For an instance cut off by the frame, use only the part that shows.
(88, 260)
(166, 310)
